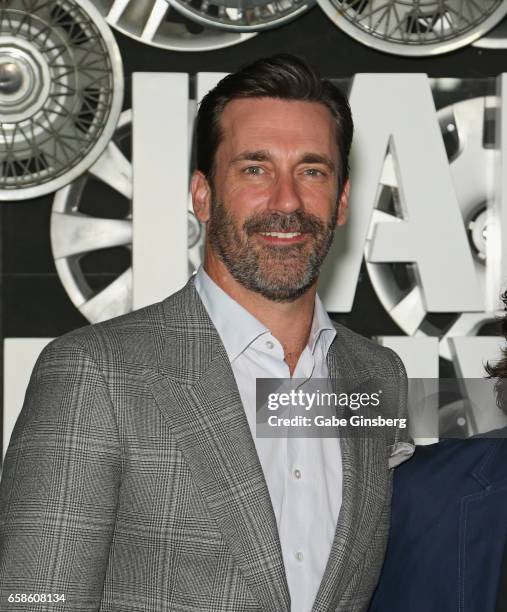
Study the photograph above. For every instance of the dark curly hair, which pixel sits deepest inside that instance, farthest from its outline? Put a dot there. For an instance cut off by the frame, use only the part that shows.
(498, 370)
(283, 76)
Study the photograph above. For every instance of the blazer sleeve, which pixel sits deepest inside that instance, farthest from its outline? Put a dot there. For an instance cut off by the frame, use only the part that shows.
(402, 447)
(59, 489)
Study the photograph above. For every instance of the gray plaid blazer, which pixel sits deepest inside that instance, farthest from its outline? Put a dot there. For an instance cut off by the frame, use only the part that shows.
(132, 483)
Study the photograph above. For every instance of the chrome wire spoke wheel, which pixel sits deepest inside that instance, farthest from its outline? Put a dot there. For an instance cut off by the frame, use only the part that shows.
(156, 23)
(242, 15)
(61, 91)
(415, 27)
(495, 38)
(471, 158)
(91, 229)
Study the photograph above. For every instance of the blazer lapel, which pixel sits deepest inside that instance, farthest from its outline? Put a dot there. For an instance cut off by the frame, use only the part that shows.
(198, 396)
(364, 493)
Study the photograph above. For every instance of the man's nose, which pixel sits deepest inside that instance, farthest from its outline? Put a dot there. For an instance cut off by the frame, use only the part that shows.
(285, 196)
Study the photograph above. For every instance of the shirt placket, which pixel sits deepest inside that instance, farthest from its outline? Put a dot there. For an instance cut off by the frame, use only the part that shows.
(299, 502)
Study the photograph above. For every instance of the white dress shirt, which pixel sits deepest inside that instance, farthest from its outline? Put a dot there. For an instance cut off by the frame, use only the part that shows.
(303, 475)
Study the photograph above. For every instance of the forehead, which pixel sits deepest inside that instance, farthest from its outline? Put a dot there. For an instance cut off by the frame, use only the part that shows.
(262, 122)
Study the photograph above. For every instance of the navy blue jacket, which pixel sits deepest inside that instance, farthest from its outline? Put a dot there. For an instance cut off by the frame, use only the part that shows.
(448, 529)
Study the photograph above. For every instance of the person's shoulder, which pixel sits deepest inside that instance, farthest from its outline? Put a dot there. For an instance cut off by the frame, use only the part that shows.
(487, 455)
(495, 439)
(358, 342)
(126, 337)
(369, 353)
(137, 337)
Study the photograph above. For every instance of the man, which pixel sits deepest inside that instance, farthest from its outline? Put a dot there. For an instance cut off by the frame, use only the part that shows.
(133, 480)
(447, 547)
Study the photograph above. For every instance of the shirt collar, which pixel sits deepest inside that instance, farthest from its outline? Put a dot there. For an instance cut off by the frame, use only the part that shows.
(322, 329)
(235, 325)
(238, 328)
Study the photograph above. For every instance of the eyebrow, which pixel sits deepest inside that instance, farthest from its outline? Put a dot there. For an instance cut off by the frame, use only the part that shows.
(317, 158)
(261, 155)
(307, 158)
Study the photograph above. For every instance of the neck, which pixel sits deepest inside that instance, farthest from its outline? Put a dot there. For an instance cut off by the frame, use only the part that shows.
(289, 322)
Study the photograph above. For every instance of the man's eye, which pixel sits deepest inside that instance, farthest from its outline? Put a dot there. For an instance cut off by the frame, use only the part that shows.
(253, 170)
(314, 172)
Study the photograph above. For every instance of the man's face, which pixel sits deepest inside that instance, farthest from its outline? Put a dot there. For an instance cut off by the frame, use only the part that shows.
(274, 204)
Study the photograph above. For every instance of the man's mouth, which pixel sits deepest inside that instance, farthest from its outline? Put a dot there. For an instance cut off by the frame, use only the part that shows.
(282, 234)
(282, 237)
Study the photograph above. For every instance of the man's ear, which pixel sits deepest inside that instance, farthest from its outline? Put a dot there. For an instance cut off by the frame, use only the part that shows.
(201, 196)
(343, 204)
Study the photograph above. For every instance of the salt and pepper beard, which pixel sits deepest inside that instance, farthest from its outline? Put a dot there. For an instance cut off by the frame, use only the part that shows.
(280, 273)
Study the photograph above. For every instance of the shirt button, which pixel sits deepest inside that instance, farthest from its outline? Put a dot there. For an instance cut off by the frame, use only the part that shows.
(270, 344)
(299, 556)
(297, 474)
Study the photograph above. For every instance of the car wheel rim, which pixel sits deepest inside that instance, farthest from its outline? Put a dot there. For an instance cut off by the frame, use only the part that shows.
(61, 90)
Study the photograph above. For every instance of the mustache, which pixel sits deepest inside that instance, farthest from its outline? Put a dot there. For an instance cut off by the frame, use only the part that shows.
(279, 222)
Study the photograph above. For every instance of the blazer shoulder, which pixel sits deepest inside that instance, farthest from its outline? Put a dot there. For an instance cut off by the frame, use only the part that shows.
(481, 457)
(135, 337)
(368, 354)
